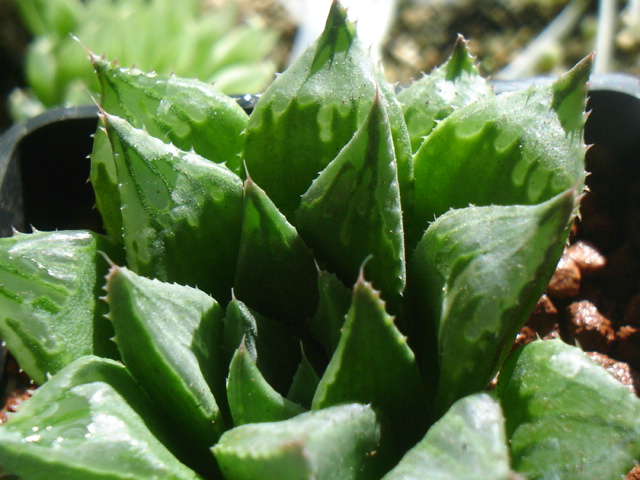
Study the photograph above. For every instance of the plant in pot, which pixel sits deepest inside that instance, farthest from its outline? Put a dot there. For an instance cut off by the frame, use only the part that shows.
(323, 289)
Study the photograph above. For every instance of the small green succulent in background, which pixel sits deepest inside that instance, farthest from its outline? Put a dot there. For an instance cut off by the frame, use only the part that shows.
(190, 39)
(320, 290)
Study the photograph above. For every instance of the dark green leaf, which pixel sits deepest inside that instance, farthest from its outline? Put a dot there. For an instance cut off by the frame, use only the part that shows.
(304, 385)
(313, 109)
(182, 214)
(335, 299)
(276, 274)
(251, 398)
(474, 278)
(352, 210)
(373, 364)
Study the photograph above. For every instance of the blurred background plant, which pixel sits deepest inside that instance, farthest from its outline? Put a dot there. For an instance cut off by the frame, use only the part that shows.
(252, 39)
(192, 38)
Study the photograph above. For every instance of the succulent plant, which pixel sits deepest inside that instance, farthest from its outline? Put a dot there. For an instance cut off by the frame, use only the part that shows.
(321, 290)
(197, 41)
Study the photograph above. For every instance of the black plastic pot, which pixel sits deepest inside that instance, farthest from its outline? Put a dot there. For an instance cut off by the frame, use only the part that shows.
(44, 166)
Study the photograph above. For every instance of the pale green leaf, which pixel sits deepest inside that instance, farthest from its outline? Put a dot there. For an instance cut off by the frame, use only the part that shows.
(335, 443)
(432, 98)
(467, 443)
(49, 311)
(521, 148)
(91, 420)
(566, 416)
(170, 338)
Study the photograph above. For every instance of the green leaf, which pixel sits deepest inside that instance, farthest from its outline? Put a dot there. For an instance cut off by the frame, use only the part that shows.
(505, 150)
(313, 109)
(91, 420)
(276, 274)
(566, 416)
(435, 96)
(352, 210)
(336, 443)
(170, 338)
(304, 385)
(373, 364)
(190, 114)
(49, 313)
(251, 398)
(474, 278)
(270, 344)
(333, 305)
(467, 443)
(181, 214)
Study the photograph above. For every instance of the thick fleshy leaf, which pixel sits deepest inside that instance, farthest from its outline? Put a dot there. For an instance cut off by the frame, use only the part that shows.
(49, 312)
(313, 109)
(190, 114)
(276, 274)
(352, 210)
(474, 278)
(333, 305)
(304, 385)
(337, 443)
(566, 416)
(175, 332)
(181, 213)
(467, 443)
(187, 113)
(91, 420)
(454, 84)
(519, 148)
(251, 398)
(271, 345)
(373, 364)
